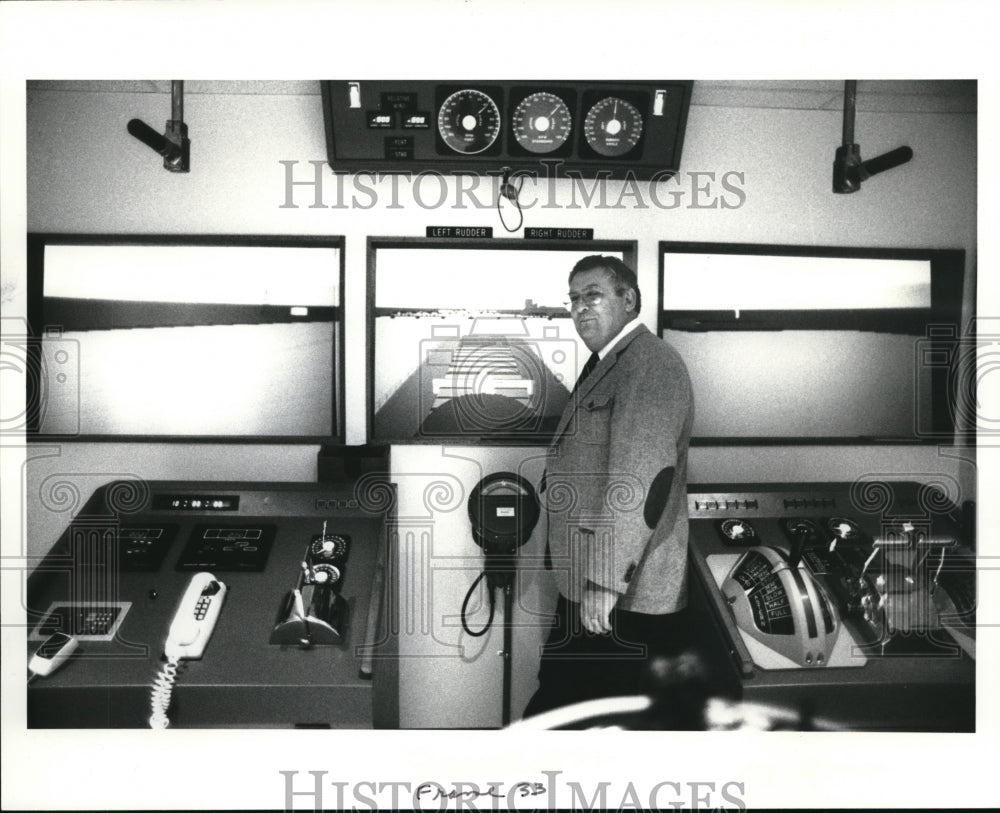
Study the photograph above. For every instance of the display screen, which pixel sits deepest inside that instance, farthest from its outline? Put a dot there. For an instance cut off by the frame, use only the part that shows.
(808, 384)
(207, 338)
(810, 344)
(471, 341)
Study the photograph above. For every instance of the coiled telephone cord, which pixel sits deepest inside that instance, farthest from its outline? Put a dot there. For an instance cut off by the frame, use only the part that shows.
(163, 689)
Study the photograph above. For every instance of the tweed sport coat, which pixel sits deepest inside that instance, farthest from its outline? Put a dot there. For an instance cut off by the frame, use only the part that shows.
(629, 421)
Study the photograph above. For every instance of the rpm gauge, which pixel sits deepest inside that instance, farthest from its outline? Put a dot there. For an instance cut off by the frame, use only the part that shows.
(612, 126)
(469, 121)
(542, 122)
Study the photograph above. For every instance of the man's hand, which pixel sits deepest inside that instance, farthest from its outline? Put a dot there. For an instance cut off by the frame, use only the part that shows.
(596, 607)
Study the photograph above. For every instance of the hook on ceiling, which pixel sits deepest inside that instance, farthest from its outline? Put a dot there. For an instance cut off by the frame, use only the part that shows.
(173, 145)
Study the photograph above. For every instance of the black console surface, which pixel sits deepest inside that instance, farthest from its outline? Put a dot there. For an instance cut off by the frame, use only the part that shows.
(117, 574)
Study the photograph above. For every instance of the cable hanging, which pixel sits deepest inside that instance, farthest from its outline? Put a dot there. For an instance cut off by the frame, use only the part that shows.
(512, 193)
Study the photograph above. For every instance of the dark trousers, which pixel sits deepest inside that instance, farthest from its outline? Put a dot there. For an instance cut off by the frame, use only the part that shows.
(577, 665)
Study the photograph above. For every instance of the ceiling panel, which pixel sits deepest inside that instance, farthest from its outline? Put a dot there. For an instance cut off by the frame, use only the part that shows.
(880, 95)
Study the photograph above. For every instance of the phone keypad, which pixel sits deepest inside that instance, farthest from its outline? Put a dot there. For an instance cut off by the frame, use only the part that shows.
(201, 608)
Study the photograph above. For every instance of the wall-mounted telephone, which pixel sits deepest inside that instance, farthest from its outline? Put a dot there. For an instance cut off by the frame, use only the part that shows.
(190, 630)
(503, 511)
(195, 618)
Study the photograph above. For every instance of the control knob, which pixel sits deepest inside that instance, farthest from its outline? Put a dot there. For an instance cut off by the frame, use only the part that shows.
(326, 574)
(329, 547)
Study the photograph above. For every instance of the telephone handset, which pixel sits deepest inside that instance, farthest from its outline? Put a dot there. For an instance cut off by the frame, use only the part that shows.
(503, 511)
(195, 618)
(192, 626)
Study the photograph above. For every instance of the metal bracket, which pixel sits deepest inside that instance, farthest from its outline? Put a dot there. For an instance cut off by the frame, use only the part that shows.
(173, 145)
(848, 168)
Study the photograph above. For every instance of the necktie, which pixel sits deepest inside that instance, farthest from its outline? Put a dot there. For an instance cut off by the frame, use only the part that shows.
(588, 368)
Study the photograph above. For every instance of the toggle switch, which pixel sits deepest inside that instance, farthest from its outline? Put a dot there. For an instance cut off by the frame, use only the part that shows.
(354, 95)
(658, 100)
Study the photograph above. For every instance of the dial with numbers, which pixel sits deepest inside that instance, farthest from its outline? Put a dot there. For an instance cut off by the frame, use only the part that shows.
(541, 122)
(328, 546)
(612, 126)
(469, 121)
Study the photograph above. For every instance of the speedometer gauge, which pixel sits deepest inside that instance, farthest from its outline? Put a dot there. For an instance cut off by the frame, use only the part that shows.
(469, 121)
(612, 126)
(541, 122)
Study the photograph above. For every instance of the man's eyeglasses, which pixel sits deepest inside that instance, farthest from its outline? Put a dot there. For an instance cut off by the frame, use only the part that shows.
(590, 298)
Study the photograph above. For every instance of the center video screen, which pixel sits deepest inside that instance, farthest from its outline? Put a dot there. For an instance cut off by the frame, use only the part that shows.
(472, 341)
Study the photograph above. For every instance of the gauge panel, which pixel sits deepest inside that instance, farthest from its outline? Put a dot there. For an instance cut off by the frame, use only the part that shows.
(545, 128)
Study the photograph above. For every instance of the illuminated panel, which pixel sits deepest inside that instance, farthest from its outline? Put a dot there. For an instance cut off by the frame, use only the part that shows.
(767, 282)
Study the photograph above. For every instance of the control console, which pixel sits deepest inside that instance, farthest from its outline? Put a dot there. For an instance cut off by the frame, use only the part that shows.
(856, 599)
(118, 573)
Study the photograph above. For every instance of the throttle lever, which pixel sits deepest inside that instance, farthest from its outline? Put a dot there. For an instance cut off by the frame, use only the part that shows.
(798, 545)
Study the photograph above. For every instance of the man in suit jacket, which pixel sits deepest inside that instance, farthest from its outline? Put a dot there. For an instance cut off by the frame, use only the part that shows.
(616, 496)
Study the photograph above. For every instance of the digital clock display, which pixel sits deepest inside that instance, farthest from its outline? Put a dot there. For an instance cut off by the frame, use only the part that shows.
(199, 502)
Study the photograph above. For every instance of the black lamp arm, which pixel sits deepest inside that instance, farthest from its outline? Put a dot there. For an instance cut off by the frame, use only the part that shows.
(173, 145)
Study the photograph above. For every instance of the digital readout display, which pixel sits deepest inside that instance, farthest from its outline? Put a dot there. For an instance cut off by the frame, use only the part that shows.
(200, 502)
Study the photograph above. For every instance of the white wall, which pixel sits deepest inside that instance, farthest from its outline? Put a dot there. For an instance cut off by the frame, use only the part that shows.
(449, 678)
(87, 175)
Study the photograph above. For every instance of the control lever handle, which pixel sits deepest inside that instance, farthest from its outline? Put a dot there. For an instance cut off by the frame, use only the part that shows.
(327, 613)
(882, 608)
(795, 554)
(290, 626)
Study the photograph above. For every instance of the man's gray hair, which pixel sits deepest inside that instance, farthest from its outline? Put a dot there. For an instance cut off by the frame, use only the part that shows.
(624, 277)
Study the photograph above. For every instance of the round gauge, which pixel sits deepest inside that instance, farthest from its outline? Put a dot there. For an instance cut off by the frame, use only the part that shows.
(843, 528)
(738, 530)
(469, 121)
(612, 126)
(326, 574)
(542, 122)
(329, 547)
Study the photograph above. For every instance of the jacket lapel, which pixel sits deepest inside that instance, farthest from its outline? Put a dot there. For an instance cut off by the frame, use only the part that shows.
(604, 366)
